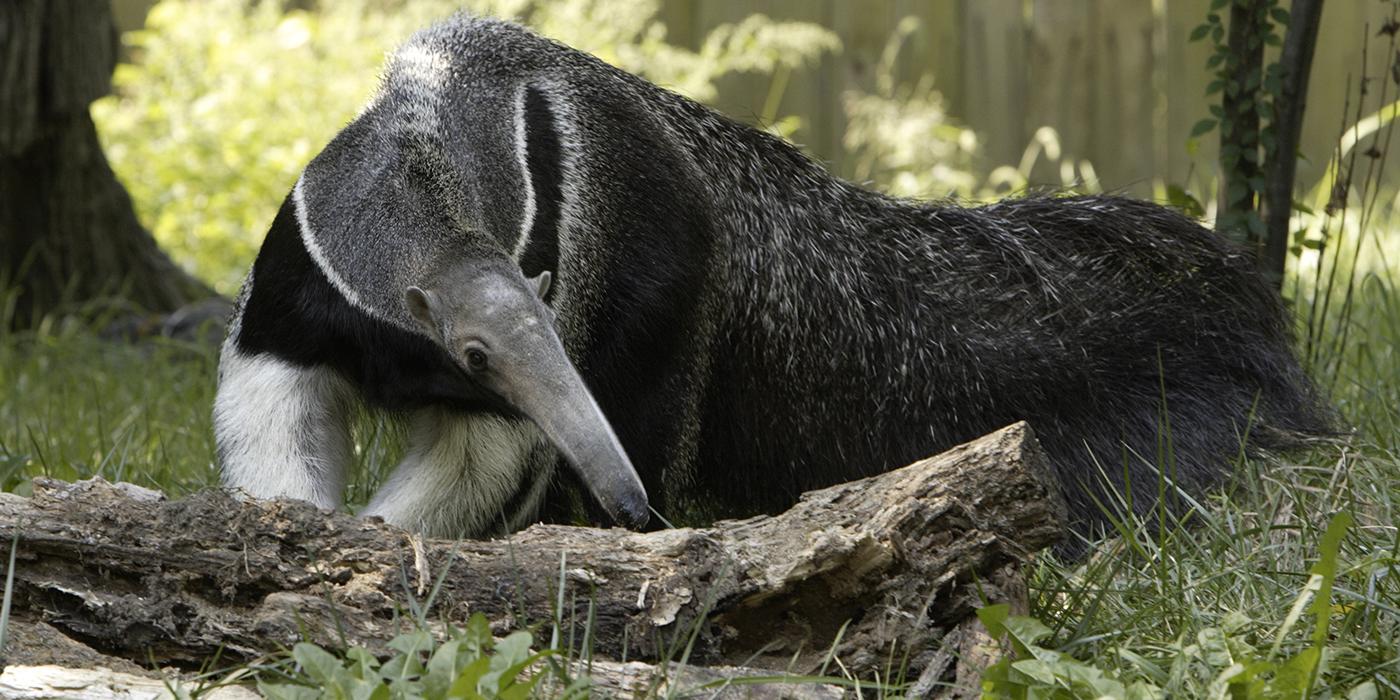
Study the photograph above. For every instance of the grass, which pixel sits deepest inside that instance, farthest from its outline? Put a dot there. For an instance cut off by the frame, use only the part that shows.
(1145, 605)
(76, 405)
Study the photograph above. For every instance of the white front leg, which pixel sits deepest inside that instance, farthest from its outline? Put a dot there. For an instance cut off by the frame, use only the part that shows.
(283, 431)
(462, 471)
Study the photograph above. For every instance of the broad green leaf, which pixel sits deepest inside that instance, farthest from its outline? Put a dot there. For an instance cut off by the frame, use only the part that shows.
(467, 684)
(322, 666)
(442, 668)
(283, 691)
(412, 642)
(361, 663)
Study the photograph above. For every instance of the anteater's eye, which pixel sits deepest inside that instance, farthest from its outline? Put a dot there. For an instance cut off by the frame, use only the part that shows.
(476, 359)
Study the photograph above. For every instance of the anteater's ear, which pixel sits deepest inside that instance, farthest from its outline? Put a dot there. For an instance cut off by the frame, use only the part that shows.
(541, 283)
(423, 304)
(544, 170)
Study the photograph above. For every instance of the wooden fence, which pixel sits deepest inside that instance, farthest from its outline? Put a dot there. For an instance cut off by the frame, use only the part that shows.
(1117, 79)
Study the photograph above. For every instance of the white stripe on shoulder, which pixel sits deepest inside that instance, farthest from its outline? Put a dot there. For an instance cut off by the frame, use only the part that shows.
(308, 240)
(522, 157)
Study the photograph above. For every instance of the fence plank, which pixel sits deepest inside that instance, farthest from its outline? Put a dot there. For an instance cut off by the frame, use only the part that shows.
(993, 69)
(1122, 145)
(1063, 80)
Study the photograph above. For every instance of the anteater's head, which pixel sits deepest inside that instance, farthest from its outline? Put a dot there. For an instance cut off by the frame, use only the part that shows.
(495, 325)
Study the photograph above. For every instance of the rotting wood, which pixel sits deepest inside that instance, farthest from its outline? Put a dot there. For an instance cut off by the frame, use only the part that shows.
(888, 564)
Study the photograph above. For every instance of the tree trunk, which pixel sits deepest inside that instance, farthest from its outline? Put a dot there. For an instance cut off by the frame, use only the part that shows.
(1295, 63)
(68, 234)
(874, 569)
(1239, 125)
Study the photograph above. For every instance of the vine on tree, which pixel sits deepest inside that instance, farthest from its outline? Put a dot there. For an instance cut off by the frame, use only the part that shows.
(1245, 117)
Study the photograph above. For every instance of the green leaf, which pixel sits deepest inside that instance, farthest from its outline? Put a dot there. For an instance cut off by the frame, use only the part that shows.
(1293, 677)
(1199, 32)
(1326, 567)
(442, 668)
(514, 648)
(520, 691)
(369, 690)
(469, 678)
(1178, 197)
(412, 642)
(1279, 16)
(401, 667)
(476, 637)
(1202, 127)
(1037, 670)
(508, 677)
(361, 663)
(322, 666)
(284, 691)
(993, 617)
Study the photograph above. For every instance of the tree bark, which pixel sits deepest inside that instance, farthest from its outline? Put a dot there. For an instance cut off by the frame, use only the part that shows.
(875, 570)
(1295, 63)
(68, 233)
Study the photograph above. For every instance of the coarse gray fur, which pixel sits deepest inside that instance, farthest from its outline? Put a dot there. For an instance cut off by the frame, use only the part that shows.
(753, 327)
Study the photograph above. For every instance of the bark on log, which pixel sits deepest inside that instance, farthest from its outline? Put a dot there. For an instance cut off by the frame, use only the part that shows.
(885, 565)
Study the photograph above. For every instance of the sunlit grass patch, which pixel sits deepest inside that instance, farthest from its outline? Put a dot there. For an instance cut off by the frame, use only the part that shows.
(75, 405)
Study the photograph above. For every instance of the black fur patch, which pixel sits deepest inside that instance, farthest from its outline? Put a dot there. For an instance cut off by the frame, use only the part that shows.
(546, 175)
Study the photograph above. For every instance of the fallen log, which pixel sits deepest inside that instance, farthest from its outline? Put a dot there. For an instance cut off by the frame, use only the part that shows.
(872, 572)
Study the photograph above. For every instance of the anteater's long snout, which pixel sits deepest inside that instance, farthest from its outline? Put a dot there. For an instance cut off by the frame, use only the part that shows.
(543, 384)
